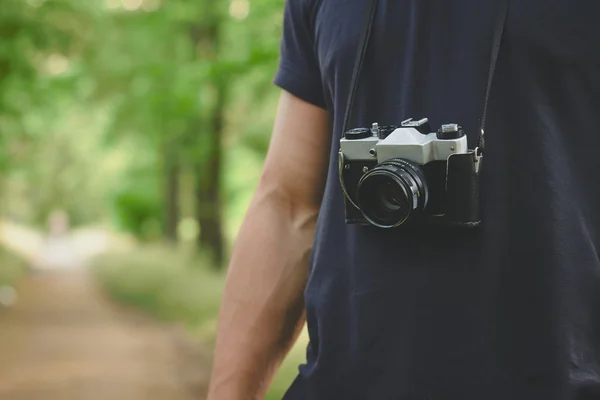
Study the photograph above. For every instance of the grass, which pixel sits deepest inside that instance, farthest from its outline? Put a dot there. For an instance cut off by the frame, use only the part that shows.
(11, 268)
(175, 286)
(168, 284)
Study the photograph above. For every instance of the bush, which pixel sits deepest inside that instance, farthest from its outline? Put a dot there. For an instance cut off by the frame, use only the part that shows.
(166, 283)
(139, 213)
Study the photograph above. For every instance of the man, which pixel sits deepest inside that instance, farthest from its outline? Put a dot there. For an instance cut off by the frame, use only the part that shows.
(508, 310)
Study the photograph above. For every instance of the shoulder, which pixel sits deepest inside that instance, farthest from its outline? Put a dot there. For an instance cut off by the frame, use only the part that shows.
(304, 10)
(299, 70)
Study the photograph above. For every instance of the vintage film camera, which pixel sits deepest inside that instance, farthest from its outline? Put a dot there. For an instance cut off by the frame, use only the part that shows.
(395, 176)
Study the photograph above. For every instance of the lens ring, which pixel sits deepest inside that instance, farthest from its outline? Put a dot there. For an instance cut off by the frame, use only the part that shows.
(403, 181)
(415, 172)
(372, 196)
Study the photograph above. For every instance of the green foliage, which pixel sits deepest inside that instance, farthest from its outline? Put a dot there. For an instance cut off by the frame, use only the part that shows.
(136, 207)
(38, 38)
(81, 81)
(170, 284)
(139, 214)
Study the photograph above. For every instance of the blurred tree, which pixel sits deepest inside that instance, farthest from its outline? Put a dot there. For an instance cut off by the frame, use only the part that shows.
(173, 91)
(39, 50)
(206, 37)
(117, 99)
(230, 41)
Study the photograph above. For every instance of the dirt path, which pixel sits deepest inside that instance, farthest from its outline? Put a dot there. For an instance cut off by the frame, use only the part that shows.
(64, 341)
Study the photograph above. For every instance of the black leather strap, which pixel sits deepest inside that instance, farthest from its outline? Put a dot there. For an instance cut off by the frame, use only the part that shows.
(362, 50)
(498, 33)
(360, 57)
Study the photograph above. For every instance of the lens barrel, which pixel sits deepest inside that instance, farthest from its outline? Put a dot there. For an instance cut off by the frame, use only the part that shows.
(393, 191)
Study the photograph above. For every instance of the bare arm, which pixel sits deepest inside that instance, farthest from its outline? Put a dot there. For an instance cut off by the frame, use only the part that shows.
(263, 308)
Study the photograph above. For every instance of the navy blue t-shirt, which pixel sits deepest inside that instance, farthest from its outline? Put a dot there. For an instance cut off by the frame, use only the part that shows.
(507, 311)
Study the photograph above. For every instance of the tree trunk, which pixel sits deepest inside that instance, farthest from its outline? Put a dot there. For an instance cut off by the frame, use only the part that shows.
(171, 194)
(209, 204)
(208, 189)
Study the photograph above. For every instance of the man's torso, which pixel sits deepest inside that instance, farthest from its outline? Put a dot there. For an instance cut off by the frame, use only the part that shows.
(507, 311)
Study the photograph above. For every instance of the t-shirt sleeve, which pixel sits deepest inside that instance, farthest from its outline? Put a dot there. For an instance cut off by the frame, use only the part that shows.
(298, 71)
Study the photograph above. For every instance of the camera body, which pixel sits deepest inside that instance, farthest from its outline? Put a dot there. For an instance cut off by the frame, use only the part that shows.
(401, 175)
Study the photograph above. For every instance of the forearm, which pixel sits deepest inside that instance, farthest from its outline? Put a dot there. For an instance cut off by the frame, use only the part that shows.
(263, 307)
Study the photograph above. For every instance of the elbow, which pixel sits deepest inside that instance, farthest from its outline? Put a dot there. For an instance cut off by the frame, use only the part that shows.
(297, 206)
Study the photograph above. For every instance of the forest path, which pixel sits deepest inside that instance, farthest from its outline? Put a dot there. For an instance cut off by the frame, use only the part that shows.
(63, 340)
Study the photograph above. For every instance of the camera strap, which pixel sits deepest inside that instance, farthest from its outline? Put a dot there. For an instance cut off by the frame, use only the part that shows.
(498, 33)
(362, 50)
(360, 58)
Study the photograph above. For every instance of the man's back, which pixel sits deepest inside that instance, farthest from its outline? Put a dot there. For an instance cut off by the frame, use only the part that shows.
(510, 310)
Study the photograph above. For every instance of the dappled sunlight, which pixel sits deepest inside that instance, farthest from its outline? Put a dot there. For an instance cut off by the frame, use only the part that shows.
(239, 9)
(71, 249)
(23, 241)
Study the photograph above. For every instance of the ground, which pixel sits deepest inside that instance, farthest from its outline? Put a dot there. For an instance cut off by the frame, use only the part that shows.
(63, 340)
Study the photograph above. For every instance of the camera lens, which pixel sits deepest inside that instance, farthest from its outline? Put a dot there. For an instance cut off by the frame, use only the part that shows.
(391, 192)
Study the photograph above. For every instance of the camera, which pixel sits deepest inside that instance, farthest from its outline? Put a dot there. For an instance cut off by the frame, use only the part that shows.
(402, 175)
